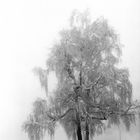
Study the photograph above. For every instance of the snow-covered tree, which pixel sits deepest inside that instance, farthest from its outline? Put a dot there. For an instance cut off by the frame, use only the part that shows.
(92, 89)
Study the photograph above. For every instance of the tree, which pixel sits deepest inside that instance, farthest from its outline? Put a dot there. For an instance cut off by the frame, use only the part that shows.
(91, 87)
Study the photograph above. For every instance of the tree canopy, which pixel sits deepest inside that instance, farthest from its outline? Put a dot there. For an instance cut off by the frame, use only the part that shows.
(91, 89)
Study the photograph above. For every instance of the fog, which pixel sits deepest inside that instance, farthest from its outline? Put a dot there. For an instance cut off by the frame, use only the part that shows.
(28, 29)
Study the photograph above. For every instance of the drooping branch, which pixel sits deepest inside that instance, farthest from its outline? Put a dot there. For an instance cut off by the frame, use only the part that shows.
(43, 77)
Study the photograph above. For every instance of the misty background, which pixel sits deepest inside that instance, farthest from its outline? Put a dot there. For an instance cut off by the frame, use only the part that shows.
(28, 29)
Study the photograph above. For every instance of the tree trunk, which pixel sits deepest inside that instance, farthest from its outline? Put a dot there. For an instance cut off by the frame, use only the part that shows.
(87, 132)
(79, 133)
(87, 121)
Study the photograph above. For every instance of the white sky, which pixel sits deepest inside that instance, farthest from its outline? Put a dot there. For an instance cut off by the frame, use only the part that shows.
(27, 31)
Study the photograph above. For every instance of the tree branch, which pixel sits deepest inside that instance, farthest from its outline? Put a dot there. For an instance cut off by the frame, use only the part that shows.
(56, 118)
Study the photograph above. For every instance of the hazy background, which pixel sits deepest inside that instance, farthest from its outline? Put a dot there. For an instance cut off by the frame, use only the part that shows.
(28, 29)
